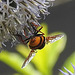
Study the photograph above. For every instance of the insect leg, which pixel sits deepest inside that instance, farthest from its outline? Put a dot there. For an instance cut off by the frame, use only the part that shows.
(25, 34)
(40, 31)
(20, 38)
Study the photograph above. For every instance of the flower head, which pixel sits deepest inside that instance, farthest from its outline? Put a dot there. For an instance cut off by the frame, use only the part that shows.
(17, 15)
(69, 72)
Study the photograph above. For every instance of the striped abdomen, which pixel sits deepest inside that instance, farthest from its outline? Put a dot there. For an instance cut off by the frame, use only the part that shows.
(37, 42)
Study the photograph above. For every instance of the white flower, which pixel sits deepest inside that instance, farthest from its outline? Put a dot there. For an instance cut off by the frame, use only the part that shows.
(17, 15)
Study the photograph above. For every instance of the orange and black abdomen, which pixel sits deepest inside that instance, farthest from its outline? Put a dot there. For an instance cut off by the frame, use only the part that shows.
(37, 42)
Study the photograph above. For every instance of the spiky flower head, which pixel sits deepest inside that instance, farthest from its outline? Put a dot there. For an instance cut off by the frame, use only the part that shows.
(69, 72)
(17, 15)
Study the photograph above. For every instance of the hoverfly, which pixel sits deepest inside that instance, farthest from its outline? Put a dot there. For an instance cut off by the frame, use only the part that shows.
(37, 41)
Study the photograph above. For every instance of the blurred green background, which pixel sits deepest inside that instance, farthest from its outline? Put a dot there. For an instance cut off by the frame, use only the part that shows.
(48, 60)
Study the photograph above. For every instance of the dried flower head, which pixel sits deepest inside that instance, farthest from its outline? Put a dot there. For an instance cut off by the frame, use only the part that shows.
(17, 15)
(69, 72)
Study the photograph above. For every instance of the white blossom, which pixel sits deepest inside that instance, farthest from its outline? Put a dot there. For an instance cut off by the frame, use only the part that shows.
(17, 15)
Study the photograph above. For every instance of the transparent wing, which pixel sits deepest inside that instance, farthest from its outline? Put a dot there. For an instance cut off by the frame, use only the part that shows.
(29, 58)
(54, 38)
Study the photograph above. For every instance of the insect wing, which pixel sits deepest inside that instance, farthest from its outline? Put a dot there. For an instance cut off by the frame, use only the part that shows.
(54, 38)
(29, 58)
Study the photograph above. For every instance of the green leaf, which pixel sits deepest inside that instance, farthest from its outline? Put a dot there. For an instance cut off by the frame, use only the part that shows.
(15, 61)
